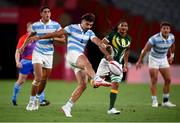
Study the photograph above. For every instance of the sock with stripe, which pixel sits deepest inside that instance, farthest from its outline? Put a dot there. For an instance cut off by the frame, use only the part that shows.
(113, 95)
(165, 98)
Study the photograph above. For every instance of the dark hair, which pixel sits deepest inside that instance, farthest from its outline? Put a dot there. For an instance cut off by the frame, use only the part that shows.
(116, 27)
(165, 23)
(88, 17)
(44, 7)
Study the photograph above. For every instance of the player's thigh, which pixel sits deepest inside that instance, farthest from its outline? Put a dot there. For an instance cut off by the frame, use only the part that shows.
(82, 61)
(37, 70)
(165, 72)
(22, 78)
(153, 74)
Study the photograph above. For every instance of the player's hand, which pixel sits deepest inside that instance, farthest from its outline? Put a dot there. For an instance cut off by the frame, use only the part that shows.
(21, 50)
(33, 38)
(109, 49)
(170, 60)
(19, 65)
(109, 58)
(125, 68)
(138, 65)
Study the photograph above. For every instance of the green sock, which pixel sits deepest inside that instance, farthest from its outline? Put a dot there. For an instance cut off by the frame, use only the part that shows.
(112, 100)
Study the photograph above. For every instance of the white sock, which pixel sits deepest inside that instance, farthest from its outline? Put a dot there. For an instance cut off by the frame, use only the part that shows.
(32, 98)
(70, 103)
(154, 98)
(166, 95)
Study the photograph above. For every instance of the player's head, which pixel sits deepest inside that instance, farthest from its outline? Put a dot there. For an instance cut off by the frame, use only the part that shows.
(45, 13)
(87, 21)
(165, 28)
(28, 25)
(122, 27)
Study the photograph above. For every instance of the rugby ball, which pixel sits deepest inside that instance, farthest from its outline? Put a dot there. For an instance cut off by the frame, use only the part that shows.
(115, 68)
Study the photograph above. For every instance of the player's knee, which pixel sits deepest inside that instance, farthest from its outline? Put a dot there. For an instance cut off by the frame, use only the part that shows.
(167, 81)
(20, 82)
(154, 80)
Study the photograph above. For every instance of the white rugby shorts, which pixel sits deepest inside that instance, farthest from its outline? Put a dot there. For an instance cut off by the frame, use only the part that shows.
(44, 59)
(158, 62)
(72, 58)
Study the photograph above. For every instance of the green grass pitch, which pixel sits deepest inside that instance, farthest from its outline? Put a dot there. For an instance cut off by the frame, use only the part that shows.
(134, 101)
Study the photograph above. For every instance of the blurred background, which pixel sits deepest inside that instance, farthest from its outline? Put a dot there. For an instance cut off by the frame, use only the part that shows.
(143, 17)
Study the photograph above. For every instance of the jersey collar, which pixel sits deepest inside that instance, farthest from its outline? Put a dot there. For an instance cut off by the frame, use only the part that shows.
(45, 23)
(163, 37)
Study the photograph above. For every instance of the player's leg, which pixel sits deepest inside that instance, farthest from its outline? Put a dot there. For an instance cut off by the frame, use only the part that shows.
(82, 79)
(37, 78)
(154, 77)
(83, 63)
(42, 99)
(165, 72)
(115, 80)
(33, 102)
(154, 65)
(46, 73)
(17, 86)
(112, 97)
(26, 69)
(103, 71)
(153, 87)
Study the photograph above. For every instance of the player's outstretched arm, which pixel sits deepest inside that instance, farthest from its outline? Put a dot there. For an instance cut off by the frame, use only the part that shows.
(103, 47)
(49, 35)
(143, 53)
(26, 42)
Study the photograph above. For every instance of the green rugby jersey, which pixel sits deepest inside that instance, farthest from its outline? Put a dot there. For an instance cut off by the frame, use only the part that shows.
(120, 45)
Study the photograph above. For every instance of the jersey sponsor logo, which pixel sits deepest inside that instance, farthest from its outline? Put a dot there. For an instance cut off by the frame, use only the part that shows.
(117, 42)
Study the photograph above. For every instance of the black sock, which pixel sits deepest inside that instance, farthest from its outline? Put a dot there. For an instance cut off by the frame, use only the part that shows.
(165, 99)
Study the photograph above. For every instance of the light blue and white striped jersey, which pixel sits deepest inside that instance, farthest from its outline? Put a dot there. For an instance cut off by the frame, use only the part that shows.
(160, 45)
(77, 38)
(45, 46)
